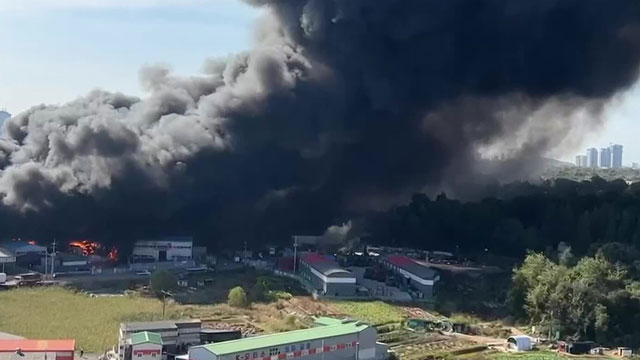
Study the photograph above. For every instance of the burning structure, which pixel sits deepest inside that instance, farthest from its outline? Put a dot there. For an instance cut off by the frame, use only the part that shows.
(342, 107)
(93, 248)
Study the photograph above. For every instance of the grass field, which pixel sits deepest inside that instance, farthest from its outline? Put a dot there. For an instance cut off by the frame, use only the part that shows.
(374, 312)
(55, 312)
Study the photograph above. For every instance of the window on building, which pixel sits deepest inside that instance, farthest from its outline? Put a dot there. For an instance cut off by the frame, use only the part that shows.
(153, 354)
(274, 351)
(139, 354)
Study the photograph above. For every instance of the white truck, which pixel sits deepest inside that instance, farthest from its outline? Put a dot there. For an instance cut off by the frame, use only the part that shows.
(3, 278)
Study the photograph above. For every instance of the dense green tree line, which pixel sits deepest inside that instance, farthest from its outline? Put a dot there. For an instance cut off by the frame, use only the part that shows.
(598, 298)
(519, 217)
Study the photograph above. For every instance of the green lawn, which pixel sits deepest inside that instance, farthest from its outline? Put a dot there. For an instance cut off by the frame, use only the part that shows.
(55, 312)
(374, 312)
(59, 313)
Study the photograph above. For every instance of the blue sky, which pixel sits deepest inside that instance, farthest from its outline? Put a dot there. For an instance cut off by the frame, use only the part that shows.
(52, 51)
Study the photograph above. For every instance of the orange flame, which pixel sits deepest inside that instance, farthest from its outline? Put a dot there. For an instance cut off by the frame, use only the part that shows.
(113, 254)
(87, 247)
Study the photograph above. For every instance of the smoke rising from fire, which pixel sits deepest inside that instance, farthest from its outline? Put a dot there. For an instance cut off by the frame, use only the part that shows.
(342, 106)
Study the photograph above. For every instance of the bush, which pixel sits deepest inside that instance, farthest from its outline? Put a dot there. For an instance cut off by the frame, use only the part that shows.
(259, 292)
(282, 295)
(290, 320)
(238, 297)
(163, 280)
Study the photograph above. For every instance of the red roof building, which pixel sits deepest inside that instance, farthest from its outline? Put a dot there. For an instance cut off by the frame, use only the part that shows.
(37, 349)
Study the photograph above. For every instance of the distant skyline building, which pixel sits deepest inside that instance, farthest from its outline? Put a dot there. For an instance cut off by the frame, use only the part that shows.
(581, 161)
(592, 158)
(605, 158)
(616, 156)
(4, 115)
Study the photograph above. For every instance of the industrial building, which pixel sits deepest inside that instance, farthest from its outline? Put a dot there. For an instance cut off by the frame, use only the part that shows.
(22, 349)
(413, 276)
(326, 276)
(6, 257)
(169, 248)
(329, 340)
(20, 248)
(144, 346)
(176, 336)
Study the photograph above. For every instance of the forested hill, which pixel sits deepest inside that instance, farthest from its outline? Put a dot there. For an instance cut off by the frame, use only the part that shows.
(579, 173)
(517, 217)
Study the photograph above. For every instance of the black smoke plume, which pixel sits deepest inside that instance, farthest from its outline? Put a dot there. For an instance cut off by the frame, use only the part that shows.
(342, 106)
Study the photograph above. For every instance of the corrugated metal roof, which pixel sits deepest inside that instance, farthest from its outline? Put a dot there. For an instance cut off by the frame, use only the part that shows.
(273, 340)
(178, 238)
(146, 337)
(410, 265)
(150, 325)
(4, 253)
(325, 265)
(326, 321)
(37, 345)
(23, 246)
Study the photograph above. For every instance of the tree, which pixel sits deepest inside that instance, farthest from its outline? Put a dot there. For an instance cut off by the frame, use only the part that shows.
(163, 280)
(259, 292)
(238, 297)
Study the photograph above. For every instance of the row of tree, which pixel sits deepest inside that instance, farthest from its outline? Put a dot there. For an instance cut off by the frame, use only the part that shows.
(597, 298)
(519, 217)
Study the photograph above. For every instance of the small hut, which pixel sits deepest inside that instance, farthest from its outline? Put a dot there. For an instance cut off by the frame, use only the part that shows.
(520, 343)
(624, 352)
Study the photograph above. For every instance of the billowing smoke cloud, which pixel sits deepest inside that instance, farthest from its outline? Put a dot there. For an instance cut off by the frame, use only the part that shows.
(341, 107)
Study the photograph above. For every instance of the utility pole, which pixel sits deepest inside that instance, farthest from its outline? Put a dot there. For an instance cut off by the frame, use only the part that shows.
(244, 256)
(53, 257)
(295, 252)
(164, 300)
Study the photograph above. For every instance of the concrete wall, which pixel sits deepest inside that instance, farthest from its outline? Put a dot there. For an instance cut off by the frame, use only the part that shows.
(337, 289)
(427, 290)
(176, 250)
(146, 352)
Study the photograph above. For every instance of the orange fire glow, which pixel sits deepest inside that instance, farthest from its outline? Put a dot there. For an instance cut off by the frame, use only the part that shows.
(113, 254)
(87, 247)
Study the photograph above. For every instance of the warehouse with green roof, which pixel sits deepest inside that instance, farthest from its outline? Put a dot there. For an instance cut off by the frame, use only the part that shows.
(328, 340)
(145, 345)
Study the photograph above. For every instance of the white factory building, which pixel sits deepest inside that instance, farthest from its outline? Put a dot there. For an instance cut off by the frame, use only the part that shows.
(331, 339)
(169, 248)
(326, 276)
(416, 277)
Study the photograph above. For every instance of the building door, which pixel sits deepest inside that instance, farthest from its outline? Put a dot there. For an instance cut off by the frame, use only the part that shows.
(162, 255)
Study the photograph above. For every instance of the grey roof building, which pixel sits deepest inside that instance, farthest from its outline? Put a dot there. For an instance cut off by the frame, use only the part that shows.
(327, 277)
(176, 335)
(415, 275)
